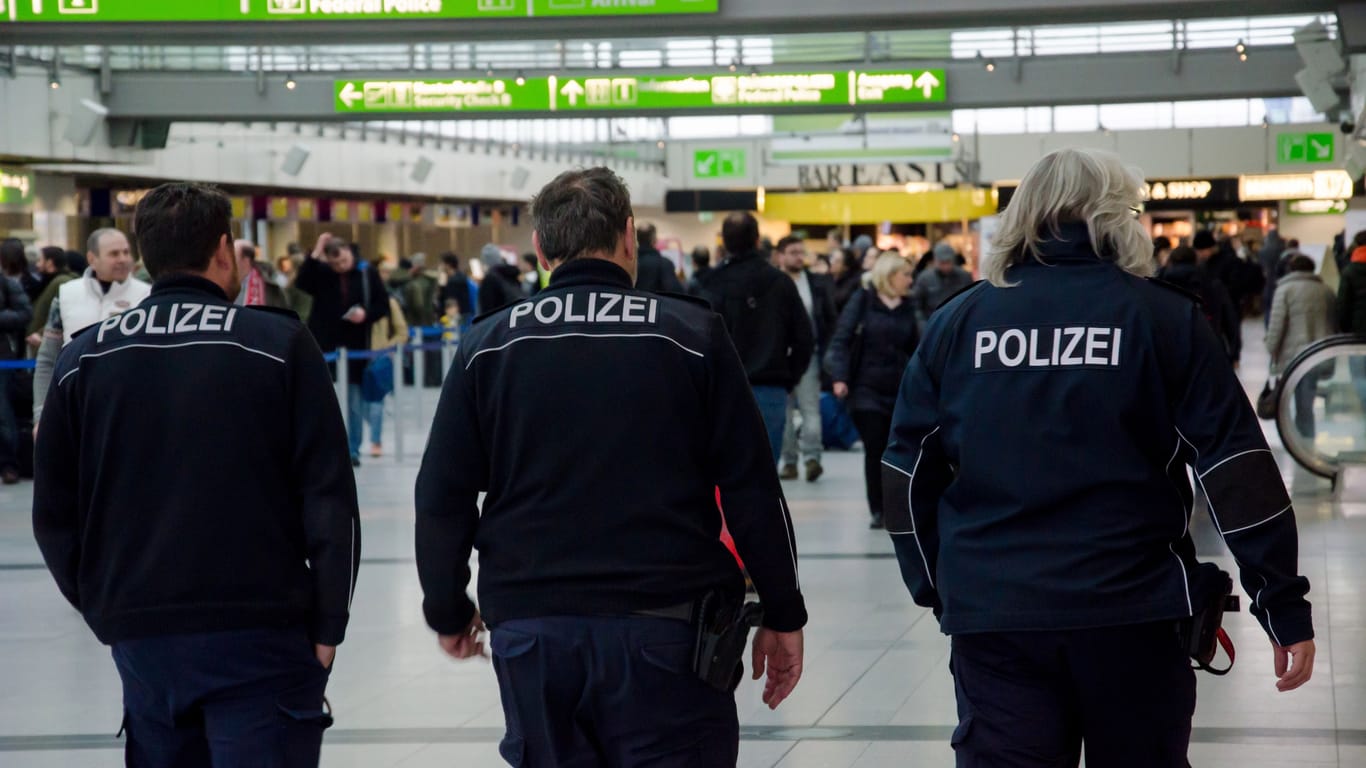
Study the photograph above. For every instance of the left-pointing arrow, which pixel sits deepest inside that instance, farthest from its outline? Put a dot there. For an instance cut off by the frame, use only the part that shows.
(927, 82)
(349, 95)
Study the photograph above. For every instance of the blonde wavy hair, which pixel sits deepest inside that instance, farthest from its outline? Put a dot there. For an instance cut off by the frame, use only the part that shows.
(1081, 185)
(888, 264)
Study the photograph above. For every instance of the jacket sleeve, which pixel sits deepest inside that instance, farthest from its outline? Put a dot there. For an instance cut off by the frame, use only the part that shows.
(17, 309)
(1248, 501)
(454, 471)
(56, 503)
(824, 312)
(379, 296)
(46, 358)
(1345, 297)
(1276, 327)
(1232, 320)
(747, 480)
(920, 299)
(802, 338)
(325, 489)
(915, 473)
(310, 276)
(839, 357)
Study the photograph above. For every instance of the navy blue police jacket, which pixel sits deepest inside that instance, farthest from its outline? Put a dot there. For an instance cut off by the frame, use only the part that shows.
(193, 473)
(1036, 474)
(601, 421)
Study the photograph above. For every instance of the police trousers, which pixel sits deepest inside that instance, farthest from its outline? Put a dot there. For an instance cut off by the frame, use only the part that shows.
(245, 699)
(609, 692)
(1037, 699)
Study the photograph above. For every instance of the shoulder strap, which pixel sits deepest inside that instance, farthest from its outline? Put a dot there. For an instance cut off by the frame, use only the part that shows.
(365, 285)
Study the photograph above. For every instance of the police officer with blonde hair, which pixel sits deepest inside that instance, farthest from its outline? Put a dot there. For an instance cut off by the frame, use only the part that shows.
(1038, 495)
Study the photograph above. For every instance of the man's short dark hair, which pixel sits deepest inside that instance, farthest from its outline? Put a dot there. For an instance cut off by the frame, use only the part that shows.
(1301, 263)
(1161, 244)
(53, 255)
(451, 260)
(405, 264)
(529, 258)
(580, 213)
(740, 233)
(1360, 239)
(180, 226)
(701, 256)
(646, 236)
(790, 240)
(12, 258)
(77, 262)
(1292, 245)
(248, 251)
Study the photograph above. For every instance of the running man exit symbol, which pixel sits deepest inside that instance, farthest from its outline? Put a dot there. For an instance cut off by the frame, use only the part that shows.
(1294, 148)
(285, 6)
(78, 6)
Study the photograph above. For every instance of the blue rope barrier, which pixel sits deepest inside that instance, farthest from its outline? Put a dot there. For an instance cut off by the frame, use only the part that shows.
(18, 365)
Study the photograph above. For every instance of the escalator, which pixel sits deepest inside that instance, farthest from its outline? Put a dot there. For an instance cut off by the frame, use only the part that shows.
(1321, 410)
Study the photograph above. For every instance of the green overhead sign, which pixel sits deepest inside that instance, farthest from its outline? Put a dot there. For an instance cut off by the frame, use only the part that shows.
(16, 186)
(332, 10)
(1295, 148)
(719, 163)
(627, 94)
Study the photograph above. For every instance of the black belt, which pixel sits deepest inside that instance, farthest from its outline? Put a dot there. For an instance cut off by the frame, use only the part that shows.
(683, 612)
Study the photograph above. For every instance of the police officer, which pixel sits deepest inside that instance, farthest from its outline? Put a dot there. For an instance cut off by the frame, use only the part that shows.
(1037, 487)
(601, 421)
(194, 502)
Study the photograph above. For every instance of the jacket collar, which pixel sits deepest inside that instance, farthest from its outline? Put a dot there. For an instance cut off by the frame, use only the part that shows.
(1072, 245)
(182, 283)
(589, 271)
(1301, 277)
(92, 282)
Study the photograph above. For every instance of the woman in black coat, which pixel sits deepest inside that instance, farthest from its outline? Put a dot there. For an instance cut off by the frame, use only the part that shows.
(873, 342)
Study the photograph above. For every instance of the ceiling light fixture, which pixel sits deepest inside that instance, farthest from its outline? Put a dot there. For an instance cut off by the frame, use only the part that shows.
(290, 82)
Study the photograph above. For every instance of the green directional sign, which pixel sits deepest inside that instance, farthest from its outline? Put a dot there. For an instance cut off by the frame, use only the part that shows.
(719, 163)
(595, 93)
(332, 10)
(1297, 148)
(16, 186)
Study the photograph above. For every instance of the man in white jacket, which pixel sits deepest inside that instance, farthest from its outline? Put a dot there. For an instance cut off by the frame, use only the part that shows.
(106, 289)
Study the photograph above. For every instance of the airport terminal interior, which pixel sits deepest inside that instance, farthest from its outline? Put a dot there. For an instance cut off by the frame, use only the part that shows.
(417, 130)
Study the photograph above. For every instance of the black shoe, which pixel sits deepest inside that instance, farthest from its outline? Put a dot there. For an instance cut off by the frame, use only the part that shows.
(814, 470)
(876, 524)
(355, 461)
(9, 476)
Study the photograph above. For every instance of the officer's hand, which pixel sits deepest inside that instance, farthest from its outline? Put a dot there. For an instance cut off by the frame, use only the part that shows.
(781, 654)
(467, 644)
(356, 315)
(35, 340)
(1294, 665)
(841, 390)
(326, 654)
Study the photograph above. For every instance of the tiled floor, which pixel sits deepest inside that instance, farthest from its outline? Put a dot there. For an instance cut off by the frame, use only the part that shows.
(876, 691)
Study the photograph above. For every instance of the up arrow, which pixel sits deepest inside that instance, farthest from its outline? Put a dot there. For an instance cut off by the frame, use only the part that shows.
(573, 91)
(927, 82)
(349, 95)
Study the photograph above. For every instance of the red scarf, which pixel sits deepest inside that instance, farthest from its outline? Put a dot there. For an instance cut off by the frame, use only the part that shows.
(256, 289)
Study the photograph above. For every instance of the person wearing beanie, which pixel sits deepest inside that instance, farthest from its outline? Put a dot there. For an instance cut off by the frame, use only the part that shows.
(502, 283)
(935, 286)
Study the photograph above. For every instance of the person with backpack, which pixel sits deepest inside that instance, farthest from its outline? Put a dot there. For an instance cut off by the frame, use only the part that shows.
(873, 341)
(1184, 272)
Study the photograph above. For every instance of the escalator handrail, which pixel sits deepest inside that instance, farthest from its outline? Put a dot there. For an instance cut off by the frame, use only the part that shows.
(1285, 397)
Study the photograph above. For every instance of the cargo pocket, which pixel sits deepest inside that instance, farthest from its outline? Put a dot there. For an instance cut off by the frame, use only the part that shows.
(509, 649)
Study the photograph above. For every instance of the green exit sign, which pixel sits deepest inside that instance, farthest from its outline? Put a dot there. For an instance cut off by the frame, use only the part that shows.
(1296, 148)
(698, 92)
(16, 186)
(148, 11)
(719, 163)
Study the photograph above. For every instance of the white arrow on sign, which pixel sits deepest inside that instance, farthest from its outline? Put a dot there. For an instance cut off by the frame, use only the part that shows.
(927, 82)
(1321, 151)
(572, 90)
(349, 95)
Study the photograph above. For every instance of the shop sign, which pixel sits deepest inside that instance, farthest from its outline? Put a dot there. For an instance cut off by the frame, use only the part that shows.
(307, 209)
(1316, 207)
(1192, 189)
(284, 11)
(1319, 185)
(342, 211)
(1298, 148)
(16, 186)
(241, 206)
(691, 92)
(719, 163)
(830, 178)
(278, 209)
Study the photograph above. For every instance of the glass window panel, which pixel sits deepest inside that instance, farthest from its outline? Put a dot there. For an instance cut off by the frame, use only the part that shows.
(1072, 39)
(1073, 119)
(988, 42)
(1037, 120)
(1131, 117)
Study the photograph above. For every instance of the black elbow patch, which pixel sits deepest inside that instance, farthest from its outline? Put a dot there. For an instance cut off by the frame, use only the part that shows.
(1245, 491)
(896, 501)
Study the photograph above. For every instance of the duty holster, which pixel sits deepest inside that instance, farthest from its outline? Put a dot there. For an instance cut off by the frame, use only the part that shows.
(723, 624)
(1203, 633)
